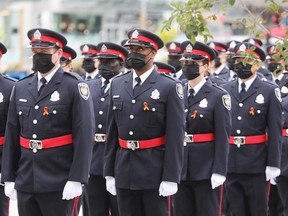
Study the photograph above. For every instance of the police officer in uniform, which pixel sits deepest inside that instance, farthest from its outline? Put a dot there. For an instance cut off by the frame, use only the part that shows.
(49, 135)
(90, 62)
(230, 60)
(174, 56)
(6, 85)
(255, 142)
(144, 149)
(66, 59)
(97, 200)
(208, 123)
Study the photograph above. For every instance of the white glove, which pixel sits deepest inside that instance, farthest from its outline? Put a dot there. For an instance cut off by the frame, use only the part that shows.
(110, 185)
(217, 180)
(71, 190)
(167, 188)
(10, 191)
(272, 173)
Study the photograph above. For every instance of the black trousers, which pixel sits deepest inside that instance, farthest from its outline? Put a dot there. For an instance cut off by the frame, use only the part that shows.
(97, 201)
(43, 204)
(143, 203)
(282, 185)
(4, 203)
(275, 207)
(197, 198)
(247, 194)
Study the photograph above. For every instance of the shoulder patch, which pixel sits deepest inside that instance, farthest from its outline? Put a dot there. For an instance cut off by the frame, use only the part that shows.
(226, 99)
(278, 94)
(179, 90)
(84, 90)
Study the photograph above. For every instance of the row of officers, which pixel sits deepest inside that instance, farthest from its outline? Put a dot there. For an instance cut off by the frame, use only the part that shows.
(142, 143)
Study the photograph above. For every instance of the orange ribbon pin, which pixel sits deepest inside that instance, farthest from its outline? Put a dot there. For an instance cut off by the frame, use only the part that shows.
(194, 114)
(252, 111)
(145, 106)
(45, 111)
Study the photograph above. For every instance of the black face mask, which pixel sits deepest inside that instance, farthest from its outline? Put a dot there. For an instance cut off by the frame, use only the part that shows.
(42, 62)
(274, 67)
(176, 64)
(217, 62)
(88, 65)
(127, 63)
(243, 72)
(107, 71)
(138, 60)
(231, 63)
(191, 71)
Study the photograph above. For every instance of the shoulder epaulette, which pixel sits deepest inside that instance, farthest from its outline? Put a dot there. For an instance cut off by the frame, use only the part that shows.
(74, 75)
(165, 75)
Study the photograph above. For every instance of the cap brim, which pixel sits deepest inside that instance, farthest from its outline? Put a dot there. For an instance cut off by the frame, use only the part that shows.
(193, 58)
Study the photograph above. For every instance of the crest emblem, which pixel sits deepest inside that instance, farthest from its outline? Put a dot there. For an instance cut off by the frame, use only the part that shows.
(1, 97)
(172, 46)
(104, 48)
(85, 48)
(37, 35)
(242, 48)
(84, 90)
(226, 101)
(212, 45)
(135, 34)
(232, 44)
(179, 90)
(203, 103)
(189, 48)
(278, 94)
(55, 96)
(284, 90)
(155, 95)
(251, 41)
(259, 99)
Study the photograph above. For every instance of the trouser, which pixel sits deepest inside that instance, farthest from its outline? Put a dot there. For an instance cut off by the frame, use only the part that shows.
(247, 194)
(97, 201)
(4, 203)
(282, 185)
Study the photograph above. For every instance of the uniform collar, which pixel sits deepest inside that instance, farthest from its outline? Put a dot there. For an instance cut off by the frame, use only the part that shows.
(48, 77)
(219, 69)
(248, 83)
(92, 75)
(198, 86)
(279, 77)
(143, 77)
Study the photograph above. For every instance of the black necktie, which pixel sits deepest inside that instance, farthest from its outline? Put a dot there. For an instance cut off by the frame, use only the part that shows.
(106, 82)
(191, 95)
(243, 90)
(88, 77)
(43, 81)
(137, 86)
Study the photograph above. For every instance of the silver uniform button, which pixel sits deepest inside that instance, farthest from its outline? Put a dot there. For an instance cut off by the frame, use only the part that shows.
(54, 111)
(102, 99)
(20, 112)
(100, 112)
(35, 121)
(186, 110)
(34, 136)
(36, 107)
(238, 131)
(239, 117)
(153, 109)
(133, 101)
(114, 107)
(201, 116)
(131, 116)
(131, 133)
(100, 126)
(240, 104)
(258, 111)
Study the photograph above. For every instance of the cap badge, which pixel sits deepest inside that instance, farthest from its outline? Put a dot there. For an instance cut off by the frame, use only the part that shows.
(172, 46)
(232, 44)
(251, 41)
(259, 99)
(189, 48)
(37, 35)
(104, 48)
(203, 103)
(242, 48)
(155, 94)
(135, 34)
(1, 97)
(55, 96)
(212, 45)
(85, 48)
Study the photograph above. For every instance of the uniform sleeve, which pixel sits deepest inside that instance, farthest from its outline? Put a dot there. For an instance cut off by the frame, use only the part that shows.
(274, 130)
(222, 125)
(175, 127)
(83, 127)
(11, 149)
(112, 143)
